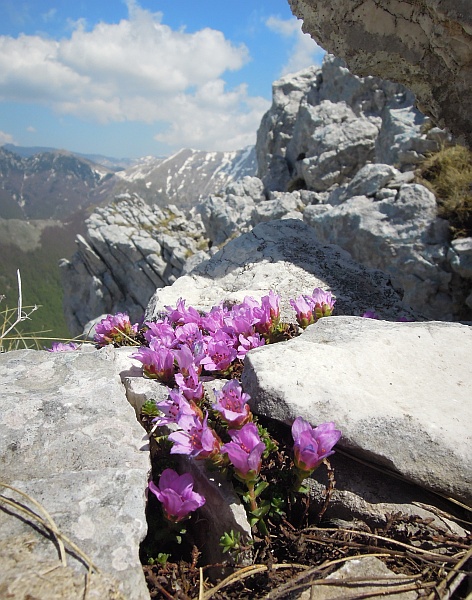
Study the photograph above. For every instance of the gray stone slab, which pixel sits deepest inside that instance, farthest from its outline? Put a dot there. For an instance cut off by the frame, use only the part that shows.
(70, 439)
(400, 392)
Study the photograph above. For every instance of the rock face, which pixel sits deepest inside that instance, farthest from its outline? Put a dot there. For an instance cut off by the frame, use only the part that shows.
(69, 439)
(286, 257)
(130, 250)
(335, 150)
(425, 45)
(377, 382)
(326, 124)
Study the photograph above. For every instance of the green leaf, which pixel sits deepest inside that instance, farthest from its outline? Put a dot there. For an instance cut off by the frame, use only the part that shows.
(260, 487)
(261, 511)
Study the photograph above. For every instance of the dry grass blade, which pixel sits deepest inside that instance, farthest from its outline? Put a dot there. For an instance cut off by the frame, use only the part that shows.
(309, 572)
(453, 573)
(244, 573)
(52, 528)
(52, 525)
(413, 549)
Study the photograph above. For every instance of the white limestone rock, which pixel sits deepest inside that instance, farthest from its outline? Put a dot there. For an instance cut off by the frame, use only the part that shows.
(129, 250)
(399, 392)
(400, 234)
(284, 256)
(326, 124)
(70, 439)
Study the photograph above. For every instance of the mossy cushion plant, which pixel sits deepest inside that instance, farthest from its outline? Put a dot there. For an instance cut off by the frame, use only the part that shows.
(448, 174)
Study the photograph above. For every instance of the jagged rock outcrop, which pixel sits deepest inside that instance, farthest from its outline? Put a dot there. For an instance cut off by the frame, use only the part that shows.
(325, 124)
(351, 144)
(425, 45)
(130, 249)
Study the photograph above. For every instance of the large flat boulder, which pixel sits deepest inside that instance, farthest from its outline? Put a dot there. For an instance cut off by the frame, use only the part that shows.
(399, 392)
(70, 439)
(284, 256)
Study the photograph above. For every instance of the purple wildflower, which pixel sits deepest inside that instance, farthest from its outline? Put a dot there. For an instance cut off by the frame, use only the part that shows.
(158, 361)
(248, 343)
(198, 440)
(304, 311)
(231, 403)
(268, 314)
(182, 315)
(323, 303)
(189, 335)
(161, 330)
(245, 451)
(176, 494)
(173, 408)
(311, 308)
(61, 347)
(370, 314)
(115, 329)
(220, 352)
(312, 445)
(189, 384)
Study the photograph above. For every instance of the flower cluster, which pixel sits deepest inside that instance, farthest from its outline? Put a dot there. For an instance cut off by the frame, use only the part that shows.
(311, 308)
(62, 347)
(184, 345)
(115, 329)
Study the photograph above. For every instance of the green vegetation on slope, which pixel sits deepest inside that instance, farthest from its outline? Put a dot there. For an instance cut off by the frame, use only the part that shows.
(448, 174)
(40, 278)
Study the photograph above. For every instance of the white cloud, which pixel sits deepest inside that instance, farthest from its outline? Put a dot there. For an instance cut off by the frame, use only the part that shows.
(5, 138)
(137, 70)
(304, 51)
(31, 129)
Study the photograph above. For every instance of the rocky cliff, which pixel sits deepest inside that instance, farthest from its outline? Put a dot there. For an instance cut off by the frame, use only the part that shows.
(335, 150)
(424, 44)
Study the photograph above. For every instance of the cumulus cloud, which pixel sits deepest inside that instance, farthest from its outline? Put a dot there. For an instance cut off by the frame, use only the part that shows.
(137, 70)
(304, 51)
(5, 138)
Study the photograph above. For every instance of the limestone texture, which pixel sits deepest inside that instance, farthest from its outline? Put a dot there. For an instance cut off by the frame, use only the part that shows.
(399, 392)
(425, 45)
(70, 439)
(284, 256)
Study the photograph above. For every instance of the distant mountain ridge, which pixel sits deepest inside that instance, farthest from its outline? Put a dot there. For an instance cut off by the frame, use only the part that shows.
(55, 184)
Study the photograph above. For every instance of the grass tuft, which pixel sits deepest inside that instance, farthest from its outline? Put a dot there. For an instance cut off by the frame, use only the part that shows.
(448, 174)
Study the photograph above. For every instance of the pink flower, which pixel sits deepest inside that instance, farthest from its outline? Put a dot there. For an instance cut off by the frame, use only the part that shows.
(268, 314)
(323, 303)
(248, 343)
(189, 384)
(158, 361)
(311, 308)
(215, 319)
(220, 352)
(162, 331)
(176, 494)
(173, 408)
(198, 440)
(231, 403)
(304, 311)
(245, 451)
(182, 315)
(312, 445)
(61, 347)
(115, 329)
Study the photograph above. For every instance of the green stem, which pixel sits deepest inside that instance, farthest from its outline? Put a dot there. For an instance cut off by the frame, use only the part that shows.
(252, 495)
(300, 476)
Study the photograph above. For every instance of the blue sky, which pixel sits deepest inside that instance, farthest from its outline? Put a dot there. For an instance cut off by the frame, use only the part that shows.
(130, 78)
